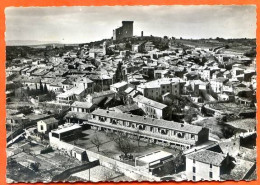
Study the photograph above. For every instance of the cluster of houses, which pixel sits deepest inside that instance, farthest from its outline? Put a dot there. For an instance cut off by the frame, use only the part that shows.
(138, 104)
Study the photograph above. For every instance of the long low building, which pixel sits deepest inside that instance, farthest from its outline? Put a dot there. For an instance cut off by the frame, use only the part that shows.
(152, 130)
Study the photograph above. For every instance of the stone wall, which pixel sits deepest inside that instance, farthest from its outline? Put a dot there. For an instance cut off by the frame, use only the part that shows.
(129, 170)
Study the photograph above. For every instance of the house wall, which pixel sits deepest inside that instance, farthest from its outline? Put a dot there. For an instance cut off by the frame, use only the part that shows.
(42, 127)
(152, 93)
(217, 87)
(202, 171)
(79, 109)
(155, 93)
(203, 135)
(152, 112)
(205, 75)
(175, 89)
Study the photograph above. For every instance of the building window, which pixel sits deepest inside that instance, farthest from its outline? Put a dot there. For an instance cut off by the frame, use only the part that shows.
(41, 127)
(210, 174)
(194, 178)
(210, 165)
(194, 169)
(193, 160)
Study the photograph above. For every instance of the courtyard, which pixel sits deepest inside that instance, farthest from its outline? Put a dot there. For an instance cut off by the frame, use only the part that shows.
(109, 148)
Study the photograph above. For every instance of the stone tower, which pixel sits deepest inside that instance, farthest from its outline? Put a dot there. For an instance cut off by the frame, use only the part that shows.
(126, 30)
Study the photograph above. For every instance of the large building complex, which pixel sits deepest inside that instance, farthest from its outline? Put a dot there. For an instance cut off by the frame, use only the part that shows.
(152, 130)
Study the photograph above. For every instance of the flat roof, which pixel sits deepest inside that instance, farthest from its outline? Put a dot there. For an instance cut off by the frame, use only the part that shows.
(154, 156)
(81, 104)
(162, 81)
(71, 92)
(119, 84)
(66, 129)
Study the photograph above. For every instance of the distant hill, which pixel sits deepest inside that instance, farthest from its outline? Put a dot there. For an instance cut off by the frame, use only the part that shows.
(28, 42)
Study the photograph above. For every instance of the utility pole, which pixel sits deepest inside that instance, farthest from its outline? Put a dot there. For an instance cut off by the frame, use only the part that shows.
(89, 175)
(12, 130)
(102, 82)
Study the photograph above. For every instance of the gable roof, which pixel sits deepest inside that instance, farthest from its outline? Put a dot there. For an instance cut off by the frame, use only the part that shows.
(149, 121)
(147, 101)
(208, 157)
(50, 120)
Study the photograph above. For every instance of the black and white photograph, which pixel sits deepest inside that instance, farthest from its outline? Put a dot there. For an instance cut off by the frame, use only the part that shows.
(131, 93)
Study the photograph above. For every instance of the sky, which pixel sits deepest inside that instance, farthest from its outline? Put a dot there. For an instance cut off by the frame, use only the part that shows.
(86, 24)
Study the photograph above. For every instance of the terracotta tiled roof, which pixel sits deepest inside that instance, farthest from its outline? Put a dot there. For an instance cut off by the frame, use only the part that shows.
(208, 157)
(149, 121)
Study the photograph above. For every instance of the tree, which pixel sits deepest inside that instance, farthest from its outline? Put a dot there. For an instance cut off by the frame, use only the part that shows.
(178, 161)
(28, 90)
(25, 110)
(189, 114)
(52, 95)
(76, 135)
(124, 144)
(188, 118)
(251, 53)
(204, 60)
(41, 86)
(119, 73)
(128, 46)
(96, 141)
(137, 132)
(35, 166)
(97, 88)
(45, 89)
(23, 54)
